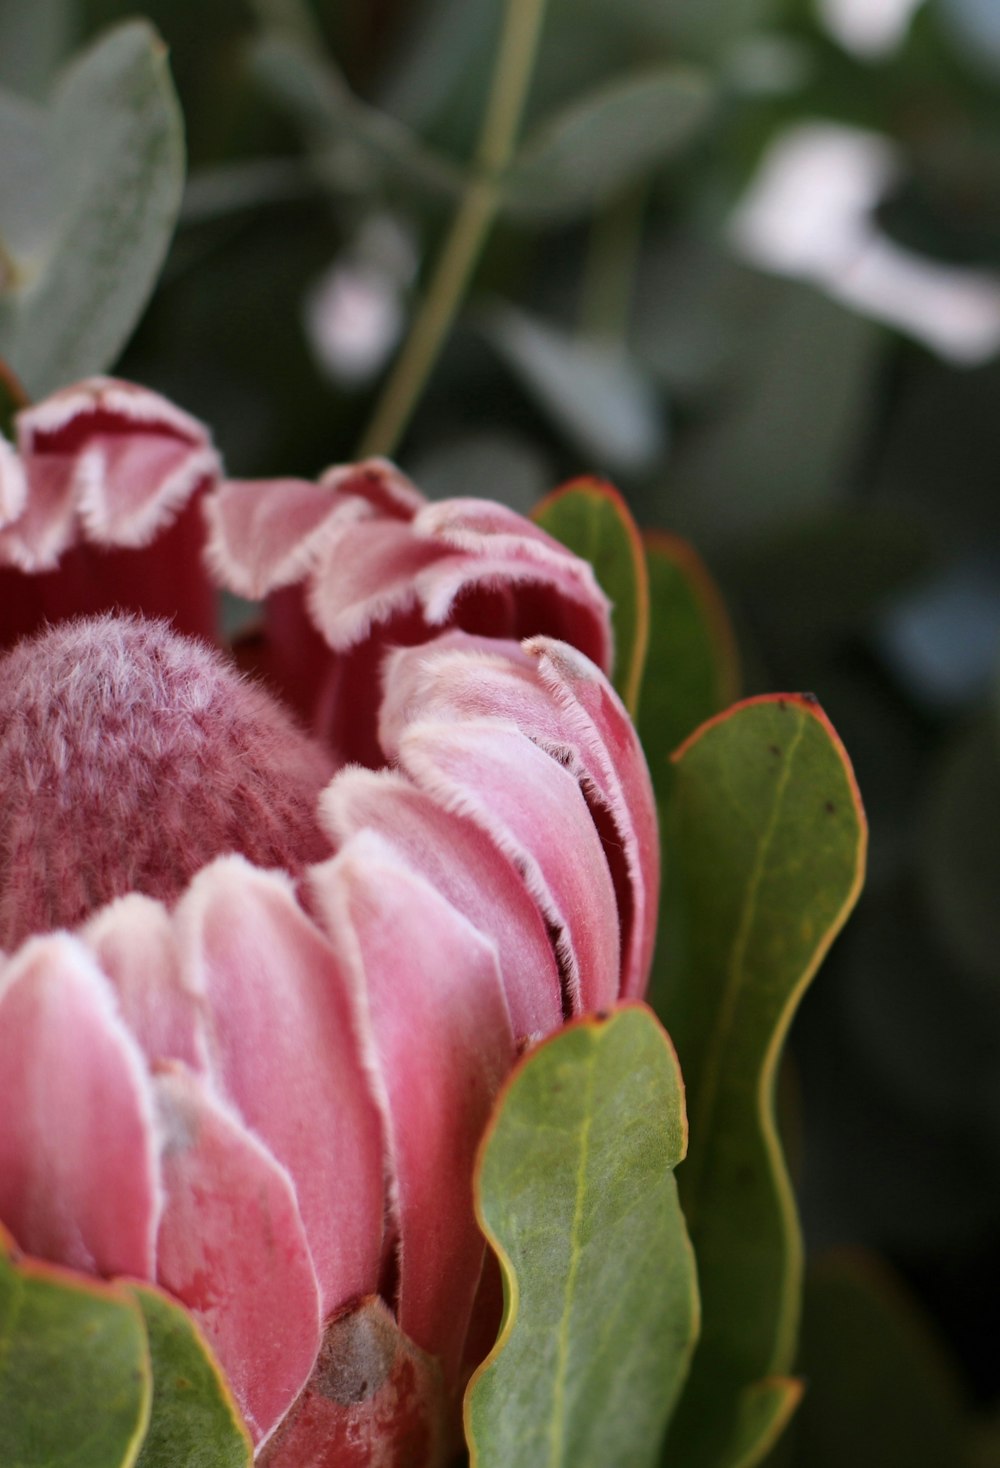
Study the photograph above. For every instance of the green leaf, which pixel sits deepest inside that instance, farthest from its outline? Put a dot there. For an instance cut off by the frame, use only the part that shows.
(593, 392)
(763, 1413)
(74, 1370)
(602, 143)
(316, 96)
(591, 518)
(709, 28)
(575, 1191)
(880, 1389)
(89, 194)
(194, 1420)
(765, 842)
(692, 671)
(783, 435)
(34, 40)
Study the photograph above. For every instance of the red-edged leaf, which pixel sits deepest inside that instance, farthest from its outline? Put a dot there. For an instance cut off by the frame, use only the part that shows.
(590, 517)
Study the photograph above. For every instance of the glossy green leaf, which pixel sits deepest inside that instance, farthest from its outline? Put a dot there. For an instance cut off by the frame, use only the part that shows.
(575, 1191)
(605, 141)
(89, 194)
(764, 844)
(75, 1382)
(691, 664)
(881, 1390)
(194, 1420)
(591, 518)
(594, 393)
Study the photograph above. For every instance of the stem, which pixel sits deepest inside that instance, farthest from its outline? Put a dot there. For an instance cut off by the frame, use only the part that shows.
(609, 268)
(469, 229)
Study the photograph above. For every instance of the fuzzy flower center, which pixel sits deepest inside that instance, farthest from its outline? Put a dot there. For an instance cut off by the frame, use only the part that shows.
(131, 756)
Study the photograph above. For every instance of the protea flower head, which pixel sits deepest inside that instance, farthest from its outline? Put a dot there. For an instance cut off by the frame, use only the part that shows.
(263, 980)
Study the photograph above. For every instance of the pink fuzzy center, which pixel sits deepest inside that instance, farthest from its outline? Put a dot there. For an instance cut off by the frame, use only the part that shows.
(131, 756)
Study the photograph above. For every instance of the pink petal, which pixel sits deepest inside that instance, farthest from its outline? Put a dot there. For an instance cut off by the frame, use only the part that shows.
(501, 548)
(285, 1053)
(13, 485)
(377, 483)
(469, 870)
(374, 1401)
(534, 812)
(613, 758)
(566, 706)
(264, 533)
(45, 527)
(441, 1043)
(78, 1170)
(368, 574)
(508, 584)
(233, 1250)
(120, 458)
(135, 946)
(267, 533)
(372, 548)
(162, 580)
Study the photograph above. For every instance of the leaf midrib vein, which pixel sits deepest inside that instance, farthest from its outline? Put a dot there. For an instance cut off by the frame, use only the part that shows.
(557, 1433)
(709, 1090)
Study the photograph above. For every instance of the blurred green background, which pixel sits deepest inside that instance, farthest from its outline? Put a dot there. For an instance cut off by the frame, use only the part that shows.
(748, 267)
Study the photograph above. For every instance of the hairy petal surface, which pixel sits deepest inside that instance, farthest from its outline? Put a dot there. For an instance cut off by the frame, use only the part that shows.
(533, 811)
(78, 1150)
(135, 945)
(13, 484)
(105, 461)
(467, 868)
(564, 704)
(129, 757)
(613, 764)
(284, 1051)
(370, 563)
(440, 1044)
(233, 1250)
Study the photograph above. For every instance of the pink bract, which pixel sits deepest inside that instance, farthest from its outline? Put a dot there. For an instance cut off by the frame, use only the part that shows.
(264, 983)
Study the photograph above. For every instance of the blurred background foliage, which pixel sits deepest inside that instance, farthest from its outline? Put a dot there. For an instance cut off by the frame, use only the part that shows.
(746, 263)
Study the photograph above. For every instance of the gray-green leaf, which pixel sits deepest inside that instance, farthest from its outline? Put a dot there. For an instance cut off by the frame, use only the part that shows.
(89, 194)
(597, 395)
(606, 141)
(576, 1193)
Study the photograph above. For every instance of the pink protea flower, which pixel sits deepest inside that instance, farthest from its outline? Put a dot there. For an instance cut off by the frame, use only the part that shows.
(258, 1001)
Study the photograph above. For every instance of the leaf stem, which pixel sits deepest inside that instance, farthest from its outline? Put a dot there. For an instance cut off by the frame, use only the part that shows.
(468, 232)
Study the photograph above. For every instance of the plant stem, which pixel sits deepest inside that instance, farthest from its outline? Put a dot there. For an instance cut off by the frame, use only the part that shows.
(609, 269)
(468, 232)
